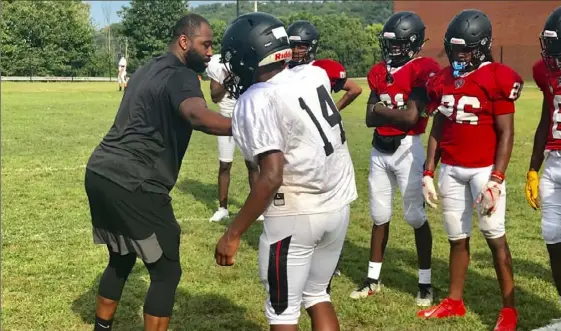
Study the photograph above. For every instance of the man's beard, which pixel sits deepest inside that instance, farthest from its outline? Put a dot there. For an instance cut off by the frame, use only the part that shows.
(195, 61)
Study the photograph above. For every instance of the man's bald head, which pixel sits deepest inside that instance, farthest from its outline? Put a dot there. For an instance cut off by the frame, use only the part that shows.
(188, 25)
(192, 41)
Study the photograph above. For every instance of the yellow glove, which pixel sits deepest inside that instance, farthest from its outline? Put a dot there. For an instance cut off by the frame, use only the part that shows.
(531, 190)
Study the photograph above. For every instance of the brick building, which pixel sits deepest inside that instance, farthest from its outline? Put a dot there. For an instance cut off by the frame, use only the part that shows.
(516, 27)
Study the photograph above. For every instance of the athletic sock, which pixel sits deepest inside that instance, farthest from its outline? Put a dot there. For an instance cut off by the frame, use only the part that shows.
(425, 276)
(102, 325)
(374, 269)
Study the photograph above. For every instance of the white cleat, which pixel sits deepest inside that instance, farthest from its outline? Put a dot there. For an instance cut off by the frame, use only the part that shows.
(425, 297)
(219, 215)
(366, 289)
(261, 218)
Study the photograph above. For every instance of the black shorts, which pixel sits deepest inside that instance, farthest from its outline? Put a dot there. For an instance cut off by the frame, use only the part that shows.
(138, 222)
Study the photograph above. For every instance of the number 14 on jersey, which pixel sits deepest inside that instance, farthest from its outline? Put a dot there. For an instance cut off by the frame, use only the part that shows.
(333, 119)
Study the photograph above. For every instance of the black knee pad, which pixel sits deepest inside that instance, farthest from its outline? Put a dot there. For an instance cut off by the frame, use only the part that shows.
(115, 275)
(164, 278)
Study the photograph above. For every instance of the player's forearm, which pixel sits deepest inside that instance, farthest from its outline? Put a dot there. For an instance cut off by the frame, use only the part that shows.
(349, 97)
(540, 139)
(433, 149)
(404, 118)
(259, 198)
(372, 120)
(217, 95)
(217, 91)
(433, 154)
(505, 140)
(345, 100)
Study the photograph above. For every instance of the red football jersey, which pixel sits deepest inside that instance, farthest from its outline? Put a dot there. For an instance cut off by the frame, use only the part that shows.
(550, 84)
(414, 73)
(335, 71)
(470, 103)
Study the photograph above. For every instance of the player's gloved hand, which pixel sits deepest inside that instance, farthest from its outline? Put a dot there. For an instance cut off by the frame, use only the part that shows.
(487, 200)
(226, 248)
(531, 190)
(429, 192)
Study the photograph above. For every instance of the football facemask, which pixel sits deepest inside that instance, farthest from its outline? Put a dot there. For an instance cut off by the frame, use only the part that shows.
(464, 58)
(232, 82)
(396, 52)
(551, 50)
(299, 56)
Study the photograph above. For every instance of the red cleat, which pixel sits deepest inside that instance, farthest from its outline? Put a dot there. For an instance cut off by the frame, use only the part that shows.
(507, 320)
(447, 308)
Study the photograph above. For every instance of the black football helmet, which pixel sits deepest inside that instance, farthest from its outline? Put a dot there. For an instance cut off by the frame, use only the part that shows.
(550, 41)
(251, 41)
(467, 41)
(402, 37)
(303, 33)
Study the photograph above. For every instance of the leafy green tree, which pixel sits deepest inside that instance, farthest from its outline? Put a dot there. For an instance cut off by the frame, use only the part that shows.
(345, 39)
(46, 38)
(148, 25)
(218, 28)
(369, 12)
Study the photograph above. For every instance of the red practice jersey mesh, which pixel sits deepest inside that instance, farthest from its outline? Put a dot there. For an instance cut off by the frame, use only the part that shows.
(469, 104)
(550, 84)
(335, 71)
(414, 73)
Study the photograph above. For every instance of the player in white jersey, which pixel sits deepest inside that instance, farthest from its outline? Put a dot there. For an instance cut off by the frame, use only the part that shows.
(217, 72)
(122, 75)
(286, 121)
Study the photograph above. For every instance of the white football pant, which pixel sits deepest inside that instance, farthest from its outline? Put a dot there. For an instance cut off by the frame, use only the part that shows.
(459, 187)
(297, 258)
(403, 168)
(226, 145)
(122, 77)
(550, 196)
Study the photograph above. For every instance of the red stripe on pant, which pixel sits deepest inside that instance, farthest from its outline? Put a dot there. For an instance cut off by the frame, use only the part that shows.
(277, 275)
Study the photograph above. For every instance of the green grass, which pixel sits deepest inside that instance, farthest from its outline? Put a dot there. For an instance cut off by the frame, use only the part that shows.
(50, 267)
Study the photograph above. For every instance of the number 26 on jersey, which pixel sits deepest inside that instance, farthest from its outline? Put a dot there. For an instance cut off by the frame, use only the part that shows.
(458, 109)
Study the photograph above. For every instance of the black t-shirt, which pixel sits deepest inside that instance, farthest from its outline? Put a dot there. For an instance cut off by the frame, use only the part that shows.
(149, 137)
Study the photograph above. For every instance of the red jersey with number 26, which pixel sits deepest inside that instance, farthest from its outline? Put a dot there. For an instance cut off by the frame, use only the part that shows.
(469, 104)
(414, 73)
(550, 84)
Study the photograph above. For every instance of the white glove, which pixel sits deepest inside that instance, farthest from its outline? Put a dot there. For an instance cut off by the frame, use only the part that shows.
(429, 192)
(487, 200)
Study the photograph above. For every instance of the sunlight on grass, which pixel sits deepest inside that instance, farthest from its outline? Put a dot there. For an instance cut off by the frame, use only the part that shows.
(50, 267)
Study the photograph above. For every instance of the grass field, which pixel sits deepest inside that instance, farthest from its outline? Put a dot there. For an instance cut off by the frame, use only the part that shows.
(50, 267)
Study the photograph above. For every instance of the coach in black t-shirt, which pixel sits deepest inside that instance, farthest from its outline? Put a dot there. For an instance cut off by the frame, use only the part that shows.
(133, 169)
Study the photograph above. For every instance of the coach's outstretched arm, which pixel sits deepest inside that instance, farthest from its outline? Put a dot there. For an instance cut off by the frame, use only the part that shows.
(203, 119)
(271, 165)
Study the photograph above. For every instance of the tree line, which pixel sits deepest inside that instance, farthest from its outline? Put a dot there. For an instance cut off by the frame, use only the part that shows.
(58, 38)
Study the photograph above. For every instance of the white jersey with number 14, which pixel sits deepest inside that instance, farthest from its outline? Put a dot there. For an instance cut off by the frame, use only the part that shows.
(294, 112)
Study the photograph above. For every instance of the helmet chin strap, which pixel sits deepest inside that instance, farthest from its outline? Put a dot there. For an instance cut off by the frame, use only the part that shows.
(389, 76)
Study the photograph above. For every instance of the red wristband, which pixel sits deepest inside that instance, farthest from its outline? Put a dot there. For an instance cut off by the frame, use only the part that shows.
(498, 175)
(428, 173)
